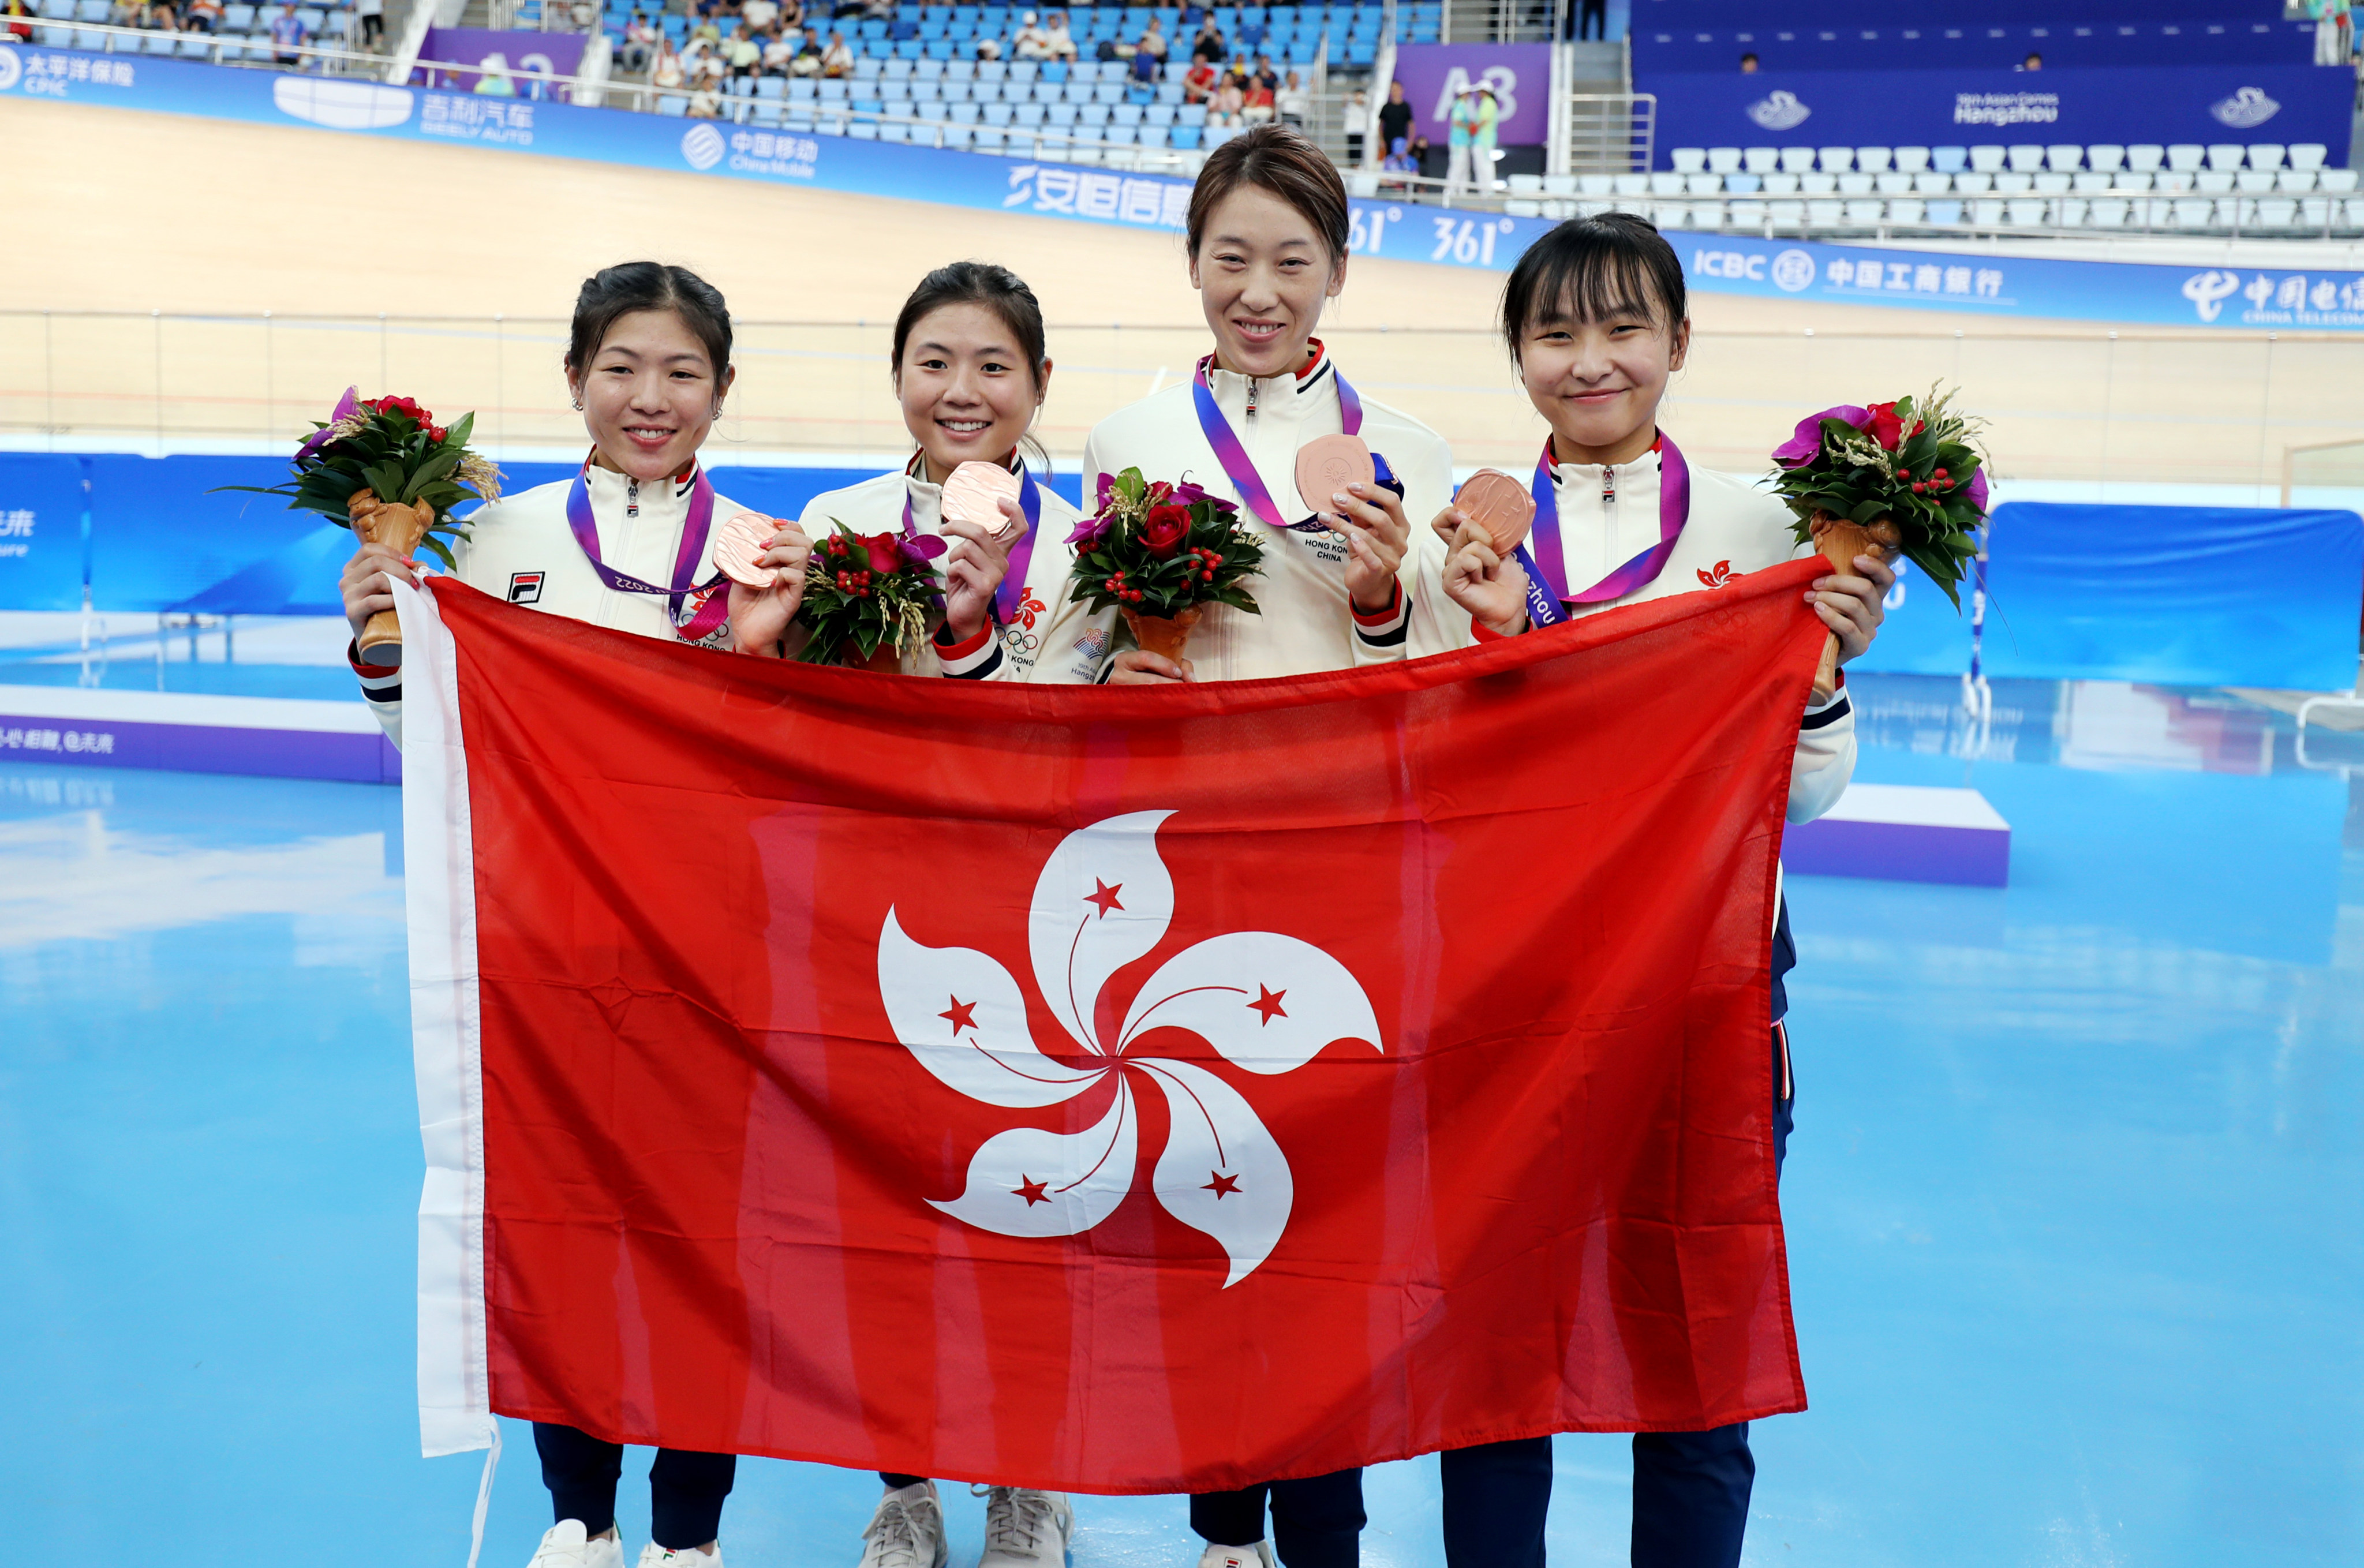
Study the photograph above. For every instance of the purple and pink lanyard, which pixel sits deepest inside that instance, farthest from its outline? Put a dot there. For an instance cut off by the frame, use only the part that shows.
(713, 609)
(1545, 564)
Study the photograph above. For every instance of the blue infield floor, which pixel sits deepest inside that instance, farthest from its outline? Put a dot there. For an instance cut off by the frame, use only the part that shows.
(2074, 1200)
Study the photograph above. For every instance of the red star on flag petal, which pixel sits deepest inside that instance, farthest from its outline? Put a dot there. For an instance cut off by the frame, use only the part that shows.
(1268, 1003)
(1222, 1186)
(1031, 1190)
(1104, 895)
(963, 1015)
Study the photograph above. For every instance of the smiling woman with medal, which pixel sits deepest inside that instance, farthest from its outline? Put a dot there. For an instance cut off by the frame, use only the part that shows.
(628, 541)
(1268, 421)
(970, 370)
(625, 543)
(1594, 319)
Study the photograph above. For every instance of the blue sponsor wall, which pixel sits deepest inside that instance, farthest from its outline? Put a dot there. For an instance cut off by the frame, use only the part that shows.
(2133, 292)
(1880, 43)
(2201, 104)
(1673, 16)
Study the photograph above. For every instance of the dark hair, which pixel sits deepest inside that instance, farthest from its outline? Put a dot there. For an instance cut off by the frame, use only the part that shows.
(617, 292)
(998, 289)
(1283, 161)
(1592, 269)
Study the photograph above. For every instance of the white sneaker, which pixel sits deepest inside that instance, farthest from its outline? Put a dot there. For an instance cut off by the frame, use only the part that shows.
(908, 1531)
(565, 1545)
(655, 1556)
(1025, 1528)
(1257, 1556)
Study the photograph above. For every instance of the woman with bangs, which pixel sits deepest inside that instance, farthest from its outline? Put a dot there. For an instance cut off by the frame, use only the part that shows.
(1594, 318)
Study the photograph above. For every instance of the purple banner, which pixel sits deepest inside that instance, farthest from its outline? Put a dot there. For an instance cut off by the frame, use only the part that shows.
(498, 59)
(1433, 75)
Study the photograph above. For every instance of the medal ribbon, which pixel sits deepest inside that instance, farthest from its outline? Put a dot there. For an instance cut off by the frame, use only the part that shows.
(1012, 587)
(707, 616)
(1234, 455)
(1546, 564)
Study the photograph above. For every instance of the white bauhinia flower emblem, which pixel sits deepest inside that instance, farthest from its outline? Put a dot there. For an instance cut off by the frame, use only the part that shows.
(1266, 1003)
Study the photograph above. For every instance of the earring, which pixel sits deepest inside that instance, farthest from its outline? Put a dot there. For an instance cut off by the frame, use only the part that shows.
(578, 406)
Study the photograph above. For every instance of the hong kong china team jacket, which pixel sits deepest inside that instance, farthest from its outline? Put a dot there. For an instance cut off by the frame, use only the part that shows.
(1609, 514)
(521, 549)
(1307, 621)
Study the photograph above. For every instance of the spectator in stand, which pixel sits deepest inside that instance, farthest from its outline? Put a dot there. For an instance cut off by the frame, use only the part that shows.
(1146, 67)
(15, 24)
(1294, 101)
(1198, 82)
(705, 36)
(807, 60)
(744, 54)
(1399, 164)
(706, 104)
(641, 37)
(372, 19)
(667, 70)
(1056, 39)
(780, 51)
(838, 58)
(1472, 122)
(202, 16)
(1257, 101)
(1208, 45)
(1592, 20)
(1030, 42)
(759, 15)
(1748, 65)
(2034, 62)
(1395, 118)
(287, 36)
(1153, 40)
(792, 13)
(988, 49)
(1264, 75)
(712, 68)
(493, 78)
(1358, 121)
(1229, 100)
(1418, 153)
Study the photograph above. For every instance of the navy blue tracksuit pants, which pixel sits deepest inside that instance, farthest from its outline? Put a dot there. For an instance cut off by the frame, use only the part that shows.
(1691, 1489)
(686, 1489)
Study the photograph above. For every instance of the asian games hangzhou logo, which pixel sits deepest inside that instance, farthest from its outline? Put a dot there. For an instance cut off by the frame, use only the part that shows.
(702, 147)
(1266, 1003)
(1779, 111)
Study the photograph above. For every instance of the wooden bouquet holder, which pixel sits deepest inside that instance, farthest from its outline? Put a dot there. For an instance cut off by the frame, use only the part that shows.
(1840, 542)
(398, 528)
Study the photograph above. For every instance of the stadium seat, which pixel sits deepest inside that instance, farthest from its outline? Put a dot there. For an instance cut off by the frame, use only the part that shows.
(1989, 159)
(1631, 184)
(1028, 115)
(2265, 154)
(2213, 182)
(1125, 113)
(1062, 116)
(1688, 160)
(1797, 159)
(1949, 160)
(2225, 154)
(1050, 92)
(1724, 160)
(2145, 157)
(1107, 92)
(834, 91)
(1824, 214)
(1096, 116)
(770, 87)
(1929, 183)
(1969, 180)
(1703, 184)
(1745, 184)
(672, 103)
(2255, 182)
(896, 69)
(1760, 160)
(2294, 180)
(1193, 115)
(2025, 158)
(2184, 157)
(953, 92)
(1184, 137)
(1873, 159)
(801, 89)
(2064, 156)
(1943, 212)
(1865, 214)
(1893, 184)
(764, 112)
(2106, 212)
(997, 113)
(2308, 155)
(1907, 210)
(1837, 160)
(927, 70)
(2105, 157)
(1661, 184)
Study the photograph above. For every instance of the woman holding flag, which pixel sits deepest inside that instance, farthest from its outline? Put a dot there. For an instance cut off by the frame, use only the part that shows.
(624, 543)
(1594, 319)
(971, 372)
(1267, 236)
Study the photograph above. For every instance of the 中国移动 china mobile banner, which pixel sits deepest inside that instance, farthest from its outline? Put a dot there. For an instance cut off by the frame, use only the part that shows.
(1984, 285)
(1099, 1088)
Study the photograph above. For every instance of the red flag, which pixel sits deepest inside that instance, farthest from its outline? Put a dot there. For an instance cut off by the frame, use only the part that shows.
(1110, 1090)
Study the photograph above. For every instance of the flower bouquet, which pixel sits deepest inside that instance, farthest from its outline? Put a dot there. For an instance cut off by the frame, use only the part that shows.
(1892, 479)
(1162, 554)
(384, 469)
(867, 597)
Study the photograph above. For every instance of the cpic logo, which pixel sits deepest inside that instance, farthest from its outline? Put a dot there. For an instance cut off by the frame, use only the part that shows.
(1779, 111)
(2247, 108)
(1792, 271)
(702, 147)
(11, 69)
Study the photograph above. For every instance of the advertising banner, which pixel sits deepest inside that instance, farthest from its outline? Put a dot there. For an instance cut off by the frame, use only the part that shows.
(2200, 103)
(40, 532)
(515, 57)
(1433, 75)
(1984, 284)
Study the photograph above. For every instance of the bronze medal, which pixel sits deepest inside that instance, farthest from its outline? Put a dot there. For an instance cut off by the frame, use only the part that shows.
(973, 494)
(1500, 506)
(1327, 464)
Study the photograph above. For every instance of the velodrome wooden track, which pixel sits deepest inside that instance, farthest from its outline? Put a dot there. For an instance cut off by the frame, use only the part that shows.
(117, 211)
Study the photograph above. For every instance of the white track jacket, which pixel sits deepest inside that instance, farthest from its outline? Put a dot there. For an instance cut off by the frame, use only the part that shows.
(519, 549)
(1308, 621)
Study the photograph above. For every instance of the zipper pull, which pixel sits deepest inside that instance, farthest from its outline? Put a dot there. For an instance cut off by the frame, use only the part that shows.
(1251, 397)
(1608, 485)
(631, 498)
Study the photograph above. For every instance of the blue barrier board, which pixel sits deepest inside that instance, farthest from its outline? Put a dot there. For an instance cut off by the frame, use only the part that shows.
(40, 532)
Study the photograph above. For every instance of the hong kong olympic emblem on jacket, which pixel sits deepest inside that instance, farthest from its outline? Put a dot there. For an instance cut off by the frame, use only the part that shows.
(1265, 1002)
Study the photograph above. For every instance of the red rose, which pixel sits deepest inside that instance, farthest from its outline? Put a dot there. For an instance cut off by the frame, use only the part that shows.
(1164, 530)
(886, 552)
(1885, 426)
(1160, 493)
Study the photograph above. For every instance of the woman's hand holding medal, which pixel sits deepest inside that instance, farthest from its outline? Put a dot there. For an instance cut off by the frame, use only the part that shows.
(764, 559)
(1376, 532)
(983, 518)
(1482, 530)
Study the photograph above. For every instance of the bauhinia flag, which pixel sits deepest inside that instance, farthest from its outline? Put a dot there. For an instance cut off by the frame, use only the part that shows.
(1104, 1089)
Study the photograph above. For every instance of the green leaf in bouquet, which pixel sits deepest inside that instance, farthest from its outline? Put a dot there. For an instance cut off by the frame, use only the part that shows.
(435, 548)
